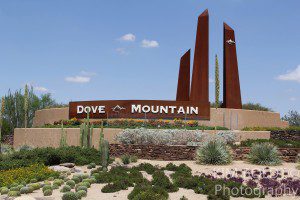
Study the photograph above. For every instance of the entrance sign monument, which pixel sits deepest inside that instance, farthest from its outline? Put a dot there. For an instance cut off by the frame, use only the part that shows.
(192, 99)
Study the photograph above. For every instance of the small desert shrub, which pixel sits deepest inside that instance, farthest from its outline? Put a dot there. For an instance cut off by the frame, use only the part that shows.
(81, 193)
(133, 159)
(81, 188)
(58, 182)
(125, 159)
(14, 193)
(14, 189)
(71, 183)
(159, 136)
(35, 186)
(69, 196)
(76, 179)
(66, 188)
(116, 186)
(47, 192)
(226, 136)
(162, 181)
(148, 192)
(55, 186)
(25, 190)
(147, 167)
(91, 166)
(183, 198)
(264, 154)
(4, 190)
(214, 152)
(47, 187)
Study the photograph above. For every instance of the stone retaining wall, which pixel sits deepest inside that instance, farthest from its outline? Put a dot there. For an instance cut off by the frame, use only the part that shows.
(286, 135)
(160, 152)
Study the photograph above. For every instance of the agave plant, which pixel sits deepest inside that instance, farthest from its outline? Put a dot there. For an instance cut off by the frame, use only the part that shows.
(264, 154)
(214, 152)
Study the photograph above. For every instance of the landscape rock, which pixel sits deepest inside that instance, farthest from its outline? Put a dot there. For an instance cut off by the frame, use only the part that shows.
(69, 165)
(60, 168)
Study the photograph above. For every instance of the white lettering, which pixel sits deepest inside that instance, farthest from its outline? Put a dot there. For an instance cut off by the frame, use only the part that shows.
(136, 108)
(79, 109)
(194, 110)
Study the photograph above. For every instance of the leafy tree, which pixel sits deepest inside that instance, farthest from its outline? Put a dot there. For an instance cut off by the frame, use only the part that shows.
(293, 117)
(17, 112)
(256, 106)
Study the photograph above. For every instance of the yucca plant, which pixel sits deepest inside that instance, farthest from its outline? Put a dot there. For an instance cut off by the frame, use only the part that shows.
(214, 152)
(264, 154)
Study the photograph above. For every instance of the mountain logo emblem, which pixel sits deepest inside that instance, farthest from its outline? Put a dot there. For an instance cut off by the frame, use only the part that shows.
(230, 42)
(118, 108)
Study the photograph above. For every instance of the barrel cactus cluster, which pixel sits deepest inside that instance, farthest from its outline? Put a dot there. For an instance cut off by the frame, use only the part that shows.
(86, 133)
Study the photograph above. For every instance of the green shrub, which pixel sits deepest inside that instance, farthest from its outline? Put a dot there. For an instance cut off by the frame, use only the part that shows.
(76, 179)
(69, 196)
(4, 190)
(256, 106)
(81, 188)
(147, 167)
(133, 159)
(66, 188)
(14, 193)
(278, 143)
(116, 186)
(81, 193)
(214, 153)
(125, 159)
(264, 154)
(50, 178)
(58, 182)
(147, 192)
(35, 186)
(162, 181)
(55, 186)
(14, 189)
(91, 166)
(71, 183)
(47, 192)
(50, 156)
(33, 180)
(47, 187)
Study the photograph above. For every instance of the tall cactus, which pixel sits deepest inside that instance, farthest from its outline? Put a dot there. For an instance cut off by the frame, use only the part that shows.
(26, 106)
(86, 133)
(103, 149)
(63, 136)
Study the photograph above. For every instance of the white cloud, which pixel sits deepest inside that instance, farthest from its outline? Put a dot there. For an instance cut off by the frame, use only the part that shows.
(121, 51)
(293, 99)
(293, 75)
(40, 89)
(78, 79)
(128, 37)
(149, 44)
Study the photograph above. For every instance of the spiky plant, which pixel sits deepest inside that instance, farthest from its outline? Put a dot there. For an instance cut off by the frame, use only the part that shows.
(63, 136)
(26, 106)
(217, 83)
(264, 154)
(214, 152)
(86, 133)
(103, 149)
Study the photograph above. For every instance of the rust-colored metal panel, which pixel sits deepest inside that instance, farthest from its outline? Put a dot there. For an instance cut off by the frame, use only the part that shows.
(231, 83)
(183, 87)
(200, 80)
(141, 109)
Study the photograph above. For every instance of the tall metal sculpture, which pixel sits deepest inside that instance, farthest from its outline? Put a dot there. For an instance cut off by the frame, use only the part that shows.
(200, 80)
(183, 87)
(231, 82)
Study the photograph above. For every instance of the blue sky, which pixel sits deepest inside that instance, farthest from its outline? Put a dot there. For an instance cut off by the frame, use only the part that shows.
(96, 49)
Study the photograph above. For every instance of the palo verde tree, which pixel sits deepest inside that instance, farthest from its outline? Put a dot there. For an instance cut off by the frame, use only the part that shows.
(20, 107)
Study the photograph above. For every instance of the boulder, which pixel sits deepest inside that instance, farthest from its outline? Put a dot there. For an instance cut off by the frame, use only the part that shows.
(69, 165)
